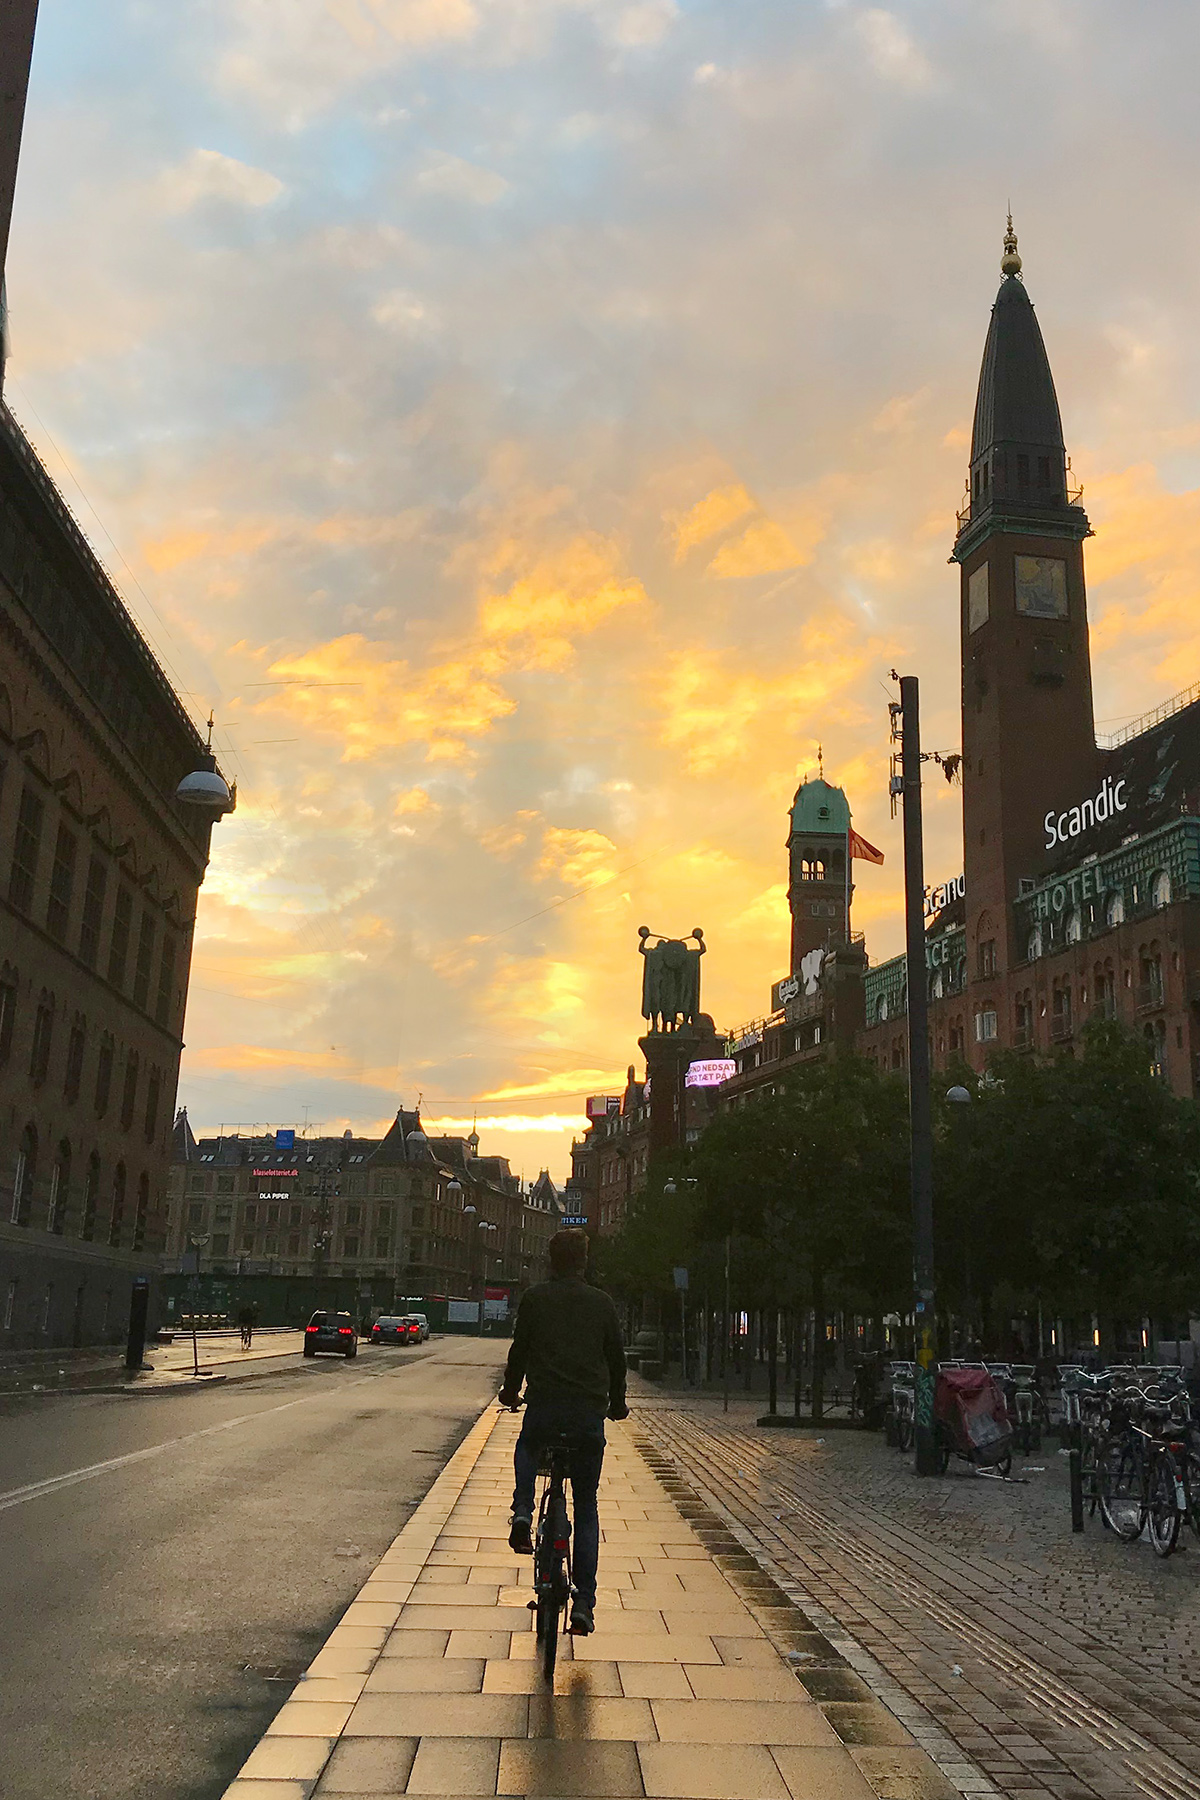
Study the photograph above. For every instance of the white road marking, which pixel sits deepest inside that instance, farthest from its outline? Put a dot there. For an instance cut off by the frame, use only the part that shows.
(18, 1496)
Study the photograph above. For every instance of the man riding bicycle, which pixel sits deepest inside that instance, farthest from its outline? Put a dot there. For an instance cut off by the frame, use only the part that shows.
(567, 1348)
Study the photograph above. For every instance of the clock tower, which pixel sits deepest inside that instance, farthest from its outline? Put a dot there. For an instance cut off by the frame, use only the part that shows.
(1028, 735)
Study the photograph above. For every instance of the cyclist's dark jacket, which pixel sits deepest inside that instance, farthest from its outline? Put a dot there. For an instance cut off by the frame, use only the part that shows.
(567, 1345)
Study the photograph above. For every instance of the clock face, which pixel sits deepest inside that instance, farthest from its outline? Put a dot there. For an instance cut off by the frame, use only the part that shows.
(1041, 586)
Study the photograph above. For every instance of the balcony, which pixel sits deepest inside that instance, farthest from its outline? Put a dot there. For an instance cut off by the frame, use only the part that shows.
(1060, 1028)
(1150, 996)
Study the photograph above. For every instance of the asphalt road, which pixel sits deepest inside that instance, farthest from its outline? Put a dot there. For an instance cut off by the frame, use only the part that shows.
(145, 1603)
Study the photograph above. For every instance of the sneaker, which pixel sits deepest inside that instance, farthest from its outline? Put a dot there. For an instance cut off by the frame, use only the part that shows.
(583, 1619)
(520, 1538)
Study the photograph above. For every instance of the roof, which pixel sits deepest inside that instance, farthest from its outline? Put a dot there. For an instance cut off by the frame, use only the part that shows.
(820, 809)
(1016, 402)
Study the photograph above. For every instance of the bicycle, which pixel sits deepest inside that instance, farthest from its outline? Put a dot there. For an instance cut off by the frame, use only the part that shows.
(552, 1549)
(1144, 1465)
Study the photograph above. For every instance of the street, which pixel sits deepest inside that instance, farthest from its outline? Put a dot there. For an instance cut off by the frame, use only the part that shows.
(147, 1604)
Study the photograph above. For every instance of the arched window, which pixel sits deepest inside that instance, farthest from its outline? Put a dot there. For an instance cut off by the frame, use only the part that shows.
(24, 1176)
(153, 1088)
(116, 1217)
(881, 1009)
(91, 1199)
(104, 1072)
(1073, 929)
(43, 1032)
(1156, 1045)
(937, 985)
(1160, 890)
(8, 1009)
(129, 1089)
(1034, 947)
(60, 1190)
(143, 1212)
(1114, 909)
(812, 868)
(75, 1048)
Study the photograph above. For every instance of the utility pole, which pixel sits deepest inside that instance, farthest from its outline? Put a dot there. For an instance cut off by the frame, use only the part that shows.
(920, 1117)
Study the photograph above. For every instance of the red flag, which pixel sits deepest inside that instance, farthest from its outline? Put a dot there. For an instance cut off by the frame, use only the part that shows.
(865, 852)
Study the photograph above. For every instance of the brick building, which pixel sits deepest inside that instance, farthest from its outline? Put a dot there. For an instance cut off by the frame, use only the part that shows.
(100, 867)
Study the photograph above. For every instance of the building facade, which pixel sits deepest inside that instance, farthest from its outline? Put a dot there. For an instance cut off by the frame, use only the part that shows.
(404, 1214)
(100, 868)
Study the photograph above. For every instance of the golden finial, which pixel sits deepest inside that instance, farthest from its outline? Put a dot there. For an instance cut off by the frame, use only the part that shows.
(1010, 262)
(820, 763)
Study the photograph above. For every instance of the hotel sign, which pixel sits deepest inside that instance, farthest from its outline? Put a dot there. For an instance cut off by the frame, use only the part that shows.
(1061, 827)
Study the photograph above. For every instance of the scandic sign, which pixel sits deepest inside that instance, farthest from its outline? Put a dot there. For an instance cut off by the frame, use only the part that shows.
(1075, 820)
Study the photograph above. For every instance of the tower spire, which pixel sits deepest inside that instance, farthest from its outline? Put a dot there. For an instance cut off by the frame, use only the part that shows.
(1010, 262)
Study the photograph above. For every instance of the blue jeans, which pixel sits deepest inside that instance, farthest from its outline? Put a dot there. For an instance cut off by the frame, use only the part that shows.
(545, 1421)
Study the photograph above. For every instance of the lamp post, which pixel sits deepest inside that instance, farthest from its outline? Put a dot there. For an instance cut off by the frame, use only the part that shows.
(197, 1239)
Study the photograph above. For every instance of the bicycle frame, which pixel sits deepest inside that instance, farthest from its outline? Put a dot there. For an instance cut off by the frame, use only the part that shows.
(552, 1554)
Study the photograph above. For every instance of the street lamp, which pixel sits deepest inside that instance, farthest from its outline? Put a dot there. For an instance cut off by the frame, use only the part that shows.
(483, 1225)
(197, 1239)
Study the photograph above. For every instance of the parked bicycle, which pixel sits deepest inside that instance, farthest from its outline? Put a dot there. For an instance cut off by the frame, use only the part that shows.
(1148, 1468)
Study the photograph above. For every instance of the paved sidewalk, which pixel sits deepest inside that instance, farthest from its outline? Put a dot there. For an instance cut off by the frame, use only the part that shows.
(1064, 1666)
(701, 1682)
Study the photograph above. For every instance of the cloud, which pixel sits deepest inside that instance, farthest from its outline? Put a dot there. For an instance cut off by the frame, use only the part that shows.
(453, 179)
(762, 549)
(208, 175)
(716, 512)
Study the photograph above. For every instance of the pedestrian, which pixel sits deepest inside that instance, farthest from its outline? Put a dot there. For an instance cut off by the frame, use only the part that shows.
(567, 1349)
(246, 1319)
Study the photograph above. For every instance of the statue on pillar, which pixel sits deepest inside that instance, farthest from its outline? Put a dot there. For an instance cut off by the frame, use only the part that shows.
(670, 978)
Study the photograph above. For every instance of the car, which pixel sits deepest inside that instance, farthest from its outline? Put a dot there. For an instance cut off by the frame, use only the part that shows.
(423, 1322)
(390, 1329)
(333, 1331)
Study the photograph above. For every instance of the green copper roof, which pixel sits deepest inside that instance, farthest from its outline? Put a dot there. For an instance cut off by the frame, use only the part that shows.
(820, 808)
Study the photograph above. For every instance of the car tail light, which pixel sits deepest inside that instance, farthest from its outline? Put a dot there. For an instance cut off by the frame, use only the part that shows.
(311, 1328)
(345, 1331)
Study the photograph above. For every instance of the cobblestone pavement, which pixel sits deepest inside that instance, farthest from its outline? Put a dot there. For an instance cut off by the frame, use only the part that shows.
(701, 1681)
(1062, 1665)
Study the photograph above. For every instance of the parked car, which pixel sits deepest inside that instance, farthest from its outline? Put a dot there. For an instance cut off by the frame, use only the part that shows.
(423, 1322)
(391, 1330)
(331, 1331)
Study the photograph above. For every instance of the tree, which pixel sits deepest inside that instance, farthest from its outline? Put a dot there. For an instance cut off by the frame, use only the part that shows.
(819, 1172)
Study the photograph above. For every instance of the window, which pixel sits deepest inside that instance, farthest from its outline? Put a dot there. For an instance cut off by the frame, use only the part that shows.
(8, 1010)
(129, 1090)
(350, 1246)
(73, 1074)
(60, 1185)
(145, 956)
(62, 881)
(248, 1241)
(353, 1215)
(24, 1175)
(383, 1247)
(142, 1216)
(224, 1212)
(1105, 990)
(195, 1212)
(1033, 948)
(272, 1215)
(250, 1215)
(1022, 469)
(1156, 1045)
(1043, 471)
(220, 1243)
(153, 1089)
(985, 1025)
(26, 849)
(812, 868)
(91, 1190)
(296, 1215)
(977, 598)
(43, 1032)
(116, 1217)
(225, 1184)
(1114, 909)
(1023, 1021)
(104, 1073)
(93, 911)
(294, 1246)
(986, 953)
(1150, 988)
(118, 950)
(1160, 890)
(1073, 930)
(166, 980)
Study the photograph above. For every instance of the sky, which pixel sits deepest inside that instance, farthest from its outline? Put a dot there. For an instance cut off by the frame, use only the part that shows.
(533, 427)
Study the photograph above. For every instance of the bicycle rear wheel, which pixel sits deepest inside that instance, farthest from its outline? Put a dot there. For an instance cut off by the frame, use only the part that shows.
(1164, 1513)
(1119, 1485)
(549, 1611)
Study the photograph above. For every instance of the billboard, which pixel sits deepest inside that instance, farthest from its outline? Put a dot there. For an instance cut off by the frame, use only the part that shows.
(710, 1074)
(602, 1106)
